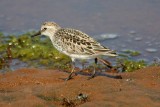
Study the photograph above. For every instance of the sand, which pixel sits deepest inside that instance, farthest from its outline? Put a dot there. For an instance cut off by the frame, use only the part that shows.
(47, 88)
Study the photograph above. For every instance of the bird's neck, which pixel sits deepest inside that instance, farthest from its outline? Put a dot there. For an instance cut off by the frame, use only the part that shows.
(51, 34)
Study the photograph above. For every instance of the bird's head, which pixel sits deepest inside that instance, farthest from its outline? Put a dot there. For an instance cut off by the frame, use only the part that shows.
(47, 29)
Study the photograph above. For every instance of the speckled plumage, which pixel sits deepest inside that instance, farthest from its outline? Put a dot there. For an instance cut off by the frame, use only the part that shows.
(74, 43)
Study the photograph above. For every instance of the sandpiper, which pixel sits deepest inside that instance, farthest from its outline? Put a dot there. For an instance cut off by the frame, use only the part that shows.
(74, 43)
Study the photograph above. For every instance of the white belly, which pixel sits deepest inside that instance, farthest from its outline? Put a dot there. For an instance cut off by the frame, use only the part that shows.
(78, 56)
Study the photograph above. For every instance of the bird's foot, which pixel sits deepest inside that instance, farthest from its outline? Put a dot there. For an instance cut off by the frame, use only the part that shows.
(68, 78)
(92, 76)
(71, 76)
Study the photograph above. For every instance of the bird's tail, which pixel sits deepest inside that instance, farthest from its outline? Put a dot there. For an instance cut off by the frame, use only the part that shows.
(105, 62)
(111, 53)
(105, 51)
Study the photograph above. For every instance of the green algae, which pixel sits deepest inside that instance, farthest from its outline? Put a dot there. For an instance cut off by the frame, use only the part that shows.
(32, 50)
(128, 65)
(131, 52)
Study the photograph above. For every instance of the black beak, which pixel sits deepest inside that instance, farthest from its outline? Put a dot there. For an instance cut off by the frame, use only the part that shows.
(37, 34)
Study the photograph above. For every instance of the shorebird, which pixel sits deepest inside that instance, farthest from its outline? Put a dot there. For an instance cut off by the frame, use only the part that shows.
(74, 43)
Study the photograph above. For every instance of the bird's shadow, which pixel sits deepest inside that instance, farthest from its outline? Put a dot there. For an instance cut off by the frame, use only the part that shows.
(117, 76)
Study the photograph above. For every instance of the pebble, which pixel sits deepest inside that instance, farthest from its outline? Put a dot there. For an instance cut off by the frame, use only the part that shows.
(106, 36)
(109, 36)
(129, 79)
(151, 50)
(138, 38)
(132, 32)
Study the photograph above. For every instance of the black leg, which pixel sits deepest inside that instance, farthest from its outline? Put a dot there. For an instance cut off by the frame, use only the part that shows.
(94, 71)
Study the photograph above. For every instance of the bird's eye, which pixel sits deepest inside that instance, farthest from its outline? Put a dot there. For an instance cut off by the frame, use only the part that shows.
(45, 28)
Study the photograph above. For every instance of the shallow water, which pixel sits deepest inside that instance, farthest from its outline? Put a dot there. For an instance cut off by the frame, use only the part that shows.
(136, 22)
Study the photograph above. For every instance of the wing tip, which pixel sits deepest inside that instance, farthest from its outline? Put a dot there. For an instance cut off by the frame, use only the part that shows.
(112, 53)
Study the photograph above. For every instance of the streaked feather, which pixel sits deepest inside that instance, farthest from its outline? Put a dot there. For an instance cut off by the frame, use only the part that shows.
(76, 42)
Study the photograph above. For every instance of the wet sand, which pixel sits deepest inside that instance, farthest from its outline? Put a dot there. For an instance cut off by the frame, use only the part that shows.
(43, 88)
